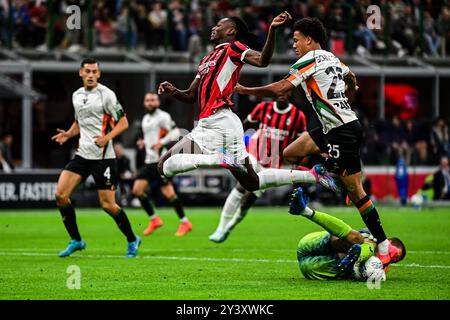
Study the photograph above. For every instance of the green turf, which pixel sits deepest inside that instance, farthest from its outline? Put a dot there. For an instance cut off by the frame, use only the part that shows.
(256, 262)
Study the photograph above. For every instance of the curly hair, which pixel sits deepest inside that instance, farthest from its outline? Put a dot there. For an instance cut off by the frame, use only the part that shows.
(311, 27)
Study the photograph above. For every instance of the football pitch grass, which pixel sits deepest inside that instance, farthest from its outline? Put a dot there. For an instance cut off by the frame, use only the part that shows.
(258, 261)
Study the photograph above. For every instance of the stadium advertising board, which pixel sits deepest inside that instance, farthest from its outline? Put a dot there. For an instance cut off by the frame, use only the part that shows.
(27, 190)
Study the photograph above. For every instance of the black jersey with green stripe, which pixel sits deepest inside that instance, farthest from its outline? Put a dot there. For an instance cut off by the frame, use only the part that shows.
(321, 75)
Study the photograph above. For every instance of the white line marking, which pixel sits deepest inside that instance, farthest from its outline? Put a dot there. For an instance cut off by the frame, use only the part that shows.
(39, 254)
(212, 249)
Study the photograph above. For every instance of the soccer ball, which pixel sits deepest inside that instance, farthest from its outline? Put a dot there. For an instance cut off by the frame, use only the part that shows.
(417, 200)
(372, 269)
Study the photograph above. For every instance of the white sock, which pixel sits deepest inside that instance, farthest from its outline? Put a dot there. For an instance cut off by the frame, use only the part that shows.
(308, 212)
(383, 247)
(184, 219)
(153, 216)
(280, 177)
(238, 217)
(183, 162)
(231, 205)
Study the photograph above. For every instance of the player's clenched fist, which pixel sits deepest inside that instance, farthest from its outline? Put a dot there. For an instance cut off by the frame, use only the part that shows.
(166, 87)
(239, 89)
(281, 19)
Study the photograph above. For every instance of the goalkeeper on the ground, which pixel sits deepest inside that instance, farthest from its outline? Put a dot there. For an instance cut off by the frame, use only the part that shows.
(331, 254)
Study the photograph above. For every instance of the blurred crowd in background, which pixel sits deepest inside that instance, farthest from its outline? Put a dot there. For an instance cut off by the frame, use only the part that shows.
(419, 142)
(407, 27)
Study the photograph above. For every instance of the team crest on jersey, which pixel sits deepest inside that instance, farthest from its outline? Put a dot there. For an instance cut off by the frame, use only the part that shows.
(293, 71)
(205, 67)
(288, 122)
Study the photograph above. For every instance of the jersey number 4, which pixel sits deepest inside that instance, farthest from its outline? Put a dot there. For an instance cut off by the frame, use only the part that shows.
(107, 173)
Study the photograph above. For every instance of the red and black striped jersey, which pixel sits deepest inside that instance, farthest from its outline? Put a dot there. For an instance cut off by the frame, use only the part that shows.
(219, 73)
(277, 129)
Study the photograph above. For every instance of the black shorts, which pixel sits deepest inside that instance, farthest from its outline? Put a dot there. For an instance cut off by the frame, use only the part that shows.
(103, 171)
(150, 173)
(342, 144)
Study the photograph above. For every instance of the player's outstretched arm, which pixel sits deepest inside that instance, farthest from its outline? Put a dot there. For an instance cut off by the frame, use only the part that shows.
(120, 127)
(342, 245)
(186, 96)
(274, 89)
(262, 59)
(63, 136)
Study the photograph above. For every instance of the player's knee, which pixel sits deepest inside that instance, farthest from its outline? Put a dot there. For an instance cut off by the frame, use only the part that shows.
(137, 192)
(61, 198)
(250, 185)
(290, 156)
(168, 194)
(306, 269)
(109, 207)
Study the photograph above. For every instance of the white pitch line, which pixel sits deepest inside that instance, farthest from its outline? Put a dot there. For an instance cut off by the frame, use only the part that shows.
(212, 249)
(38, 254)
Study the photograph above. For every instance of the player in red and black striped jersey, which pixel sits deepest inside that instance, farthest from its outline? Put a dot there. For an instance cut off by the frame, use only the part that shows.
(278, 124)
(217, 140)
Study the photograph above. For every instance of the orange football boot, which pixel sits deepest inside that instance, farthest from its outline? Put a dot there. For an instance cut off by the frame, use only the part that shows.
(153, 224)
(184, 228)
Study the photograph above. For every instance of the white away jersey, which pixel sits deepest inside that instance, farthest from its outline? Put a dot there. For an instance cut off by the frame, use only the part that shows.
(321, 75)
(96, 112)
(157, 127)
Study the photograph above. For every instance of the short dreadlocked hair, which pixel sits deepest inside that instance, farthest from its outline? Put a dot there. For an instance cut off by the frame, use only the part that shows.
(311, 27)
(243, 33)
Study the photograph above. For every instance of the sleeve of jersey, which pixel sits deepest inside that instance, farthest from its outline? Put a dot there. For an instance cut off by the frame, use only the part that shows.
(167, 123)
(237, 52)
(173, 133)
(300, 71)
(113, 107)
(73, 104)
(345, 69)
(255, 115)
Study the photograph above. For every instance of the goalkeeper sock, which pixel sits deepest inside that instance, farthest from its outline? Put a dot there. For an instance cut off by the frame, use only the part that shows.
(333, 225)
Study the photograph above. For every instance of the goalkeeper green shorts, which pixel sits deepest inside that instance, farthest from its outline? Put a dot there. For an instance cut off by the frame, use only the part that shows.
(315, 258)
